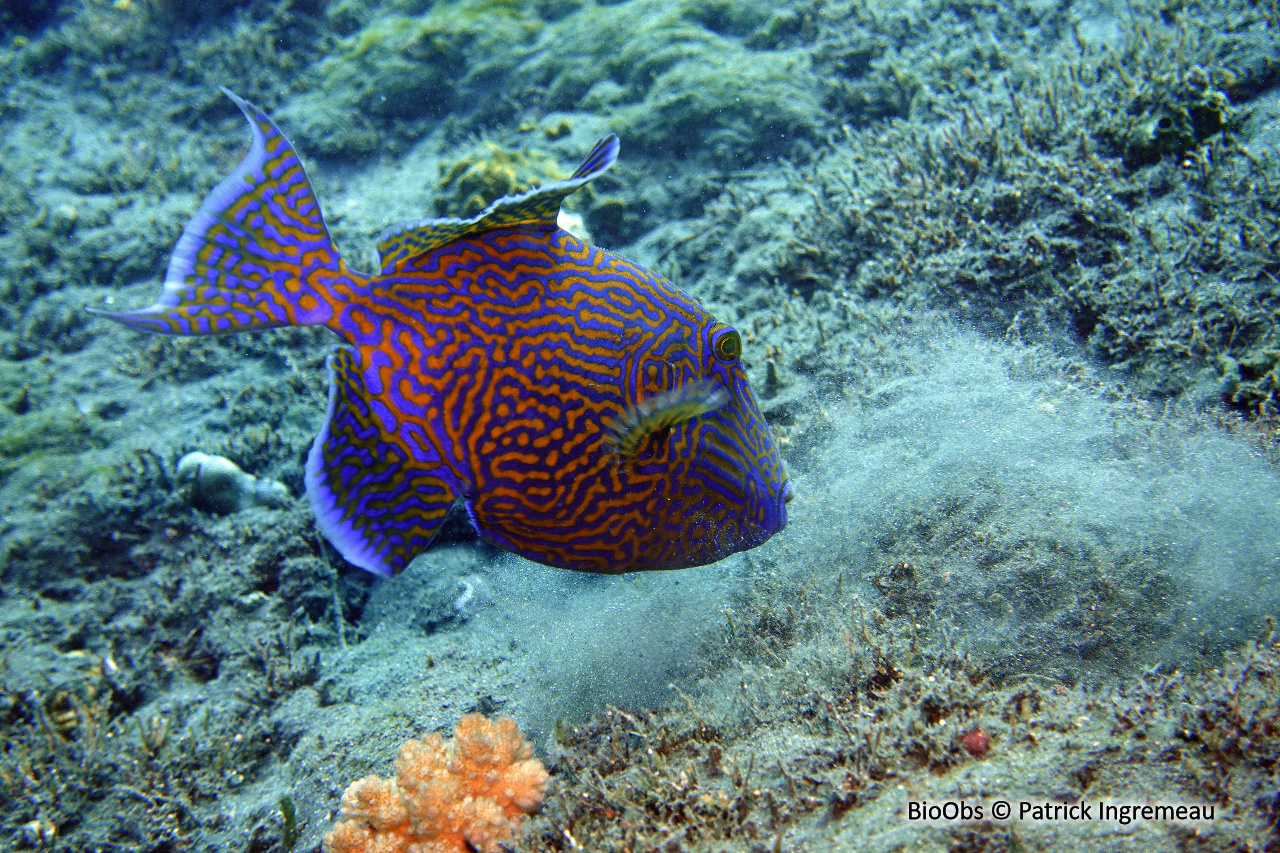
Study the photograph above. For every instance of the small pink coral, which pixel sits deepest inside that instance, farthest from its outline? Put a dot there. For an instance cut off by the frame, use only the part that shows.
(471, 793)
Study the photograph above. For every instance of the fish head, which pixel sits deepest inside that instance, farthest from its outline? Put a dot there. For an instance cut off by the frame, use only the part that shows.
(737, 450)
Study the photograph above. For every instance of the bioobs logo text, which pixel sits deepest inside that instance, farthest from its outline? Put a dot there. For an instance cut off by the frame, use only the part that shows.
(949, 811)
(1107, 811)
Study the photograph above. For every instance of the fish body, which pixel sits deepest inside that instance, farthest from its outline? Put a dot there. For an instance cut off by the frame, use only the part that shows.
(589, 414)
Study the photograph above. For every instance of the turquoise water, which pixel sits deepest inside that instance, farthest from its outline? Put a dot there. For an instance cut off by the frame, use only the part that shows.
(1005, 276)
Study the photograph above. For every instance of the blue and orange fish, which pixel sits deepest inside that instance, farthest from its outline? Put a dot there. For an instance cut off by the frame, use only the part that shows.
(589, 414)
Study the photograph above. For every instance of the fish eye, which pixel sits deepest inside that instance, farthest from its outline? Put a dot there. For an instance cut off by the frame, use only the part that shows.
(727, 343)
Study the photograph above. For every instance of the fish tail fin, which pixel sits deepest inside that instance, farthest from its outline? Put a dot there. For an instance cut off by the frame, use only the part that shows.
(256, 255)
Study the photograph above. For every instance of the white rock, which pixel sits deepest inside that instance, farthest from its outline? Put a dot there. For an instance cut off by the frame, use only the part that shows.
(218, 485)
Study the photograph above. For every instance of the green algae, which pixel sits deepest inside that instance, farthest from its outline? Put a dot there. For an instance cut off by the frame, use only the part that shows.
(692, 83)
(401, 67)
(47, 438)
(659, 71)
(1025, 205)
(723, 103)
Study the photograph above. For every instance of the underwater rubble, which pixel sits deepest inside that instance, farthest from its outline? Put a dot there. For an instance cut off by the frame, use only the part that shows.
(831, 720)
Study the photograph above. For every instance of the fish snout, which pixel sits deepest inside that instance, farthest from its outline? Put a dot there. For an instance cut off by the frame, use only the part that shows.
(785, 494)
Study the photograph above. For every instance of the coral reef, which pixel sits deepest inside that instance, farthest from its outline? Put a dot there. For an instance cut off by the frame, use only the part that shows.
(1109, 186)
(101, 738)
(469, 794)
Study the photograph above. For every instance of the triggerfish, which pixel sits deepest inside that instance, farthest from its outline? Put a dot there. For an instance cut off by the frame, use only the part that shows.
(589, 414)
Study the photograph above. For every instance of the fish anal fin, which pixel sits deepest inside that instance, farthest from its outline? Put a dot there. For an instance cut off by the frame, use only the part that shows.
(378, 505)
(538, 206)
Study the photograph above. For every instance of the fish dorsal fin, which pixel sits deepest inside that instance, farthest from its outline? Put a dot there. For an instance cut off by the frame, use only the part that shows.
(538, 206)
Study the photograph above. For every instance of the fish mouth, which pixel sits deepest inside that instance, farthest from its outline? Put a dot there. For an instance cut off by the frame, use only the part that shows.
(785, 494)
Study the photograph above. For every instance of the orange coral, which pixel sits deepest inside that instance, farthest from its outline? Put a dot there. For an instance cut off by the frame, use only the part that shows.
(474, 790)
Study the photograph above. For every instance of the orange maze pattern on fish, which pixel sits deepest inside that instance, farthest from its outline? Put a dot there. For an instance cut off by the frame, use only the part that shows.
(512, 350)
(487, 362)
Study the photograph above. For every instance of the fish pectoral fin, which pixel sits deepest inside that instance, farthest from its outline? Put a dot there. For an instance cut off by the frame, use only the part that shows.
(373, 499)
(659, 413)
(538, 206)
